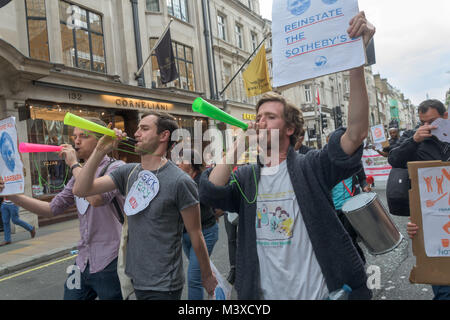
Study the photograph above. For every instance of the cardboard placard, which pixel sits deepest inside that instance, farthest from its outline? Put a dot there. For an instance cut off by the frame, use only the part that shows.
(430, 211)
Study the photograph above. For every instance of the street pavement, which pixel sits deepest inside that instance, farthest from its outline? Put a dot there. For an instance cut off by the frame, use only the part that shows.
(58, 240)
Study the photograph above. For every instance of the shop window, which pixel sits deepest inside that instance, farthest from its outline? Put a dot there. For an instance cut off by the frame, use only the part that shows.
(82, 38)
(185, 66)
(37, 29)
(49, 174)
(178, 9)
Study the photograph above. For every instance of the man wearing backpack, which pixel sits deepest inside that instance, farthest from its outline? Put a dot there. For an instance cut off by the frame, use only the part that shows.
(100, 226)
(160, 199)
(423, 146)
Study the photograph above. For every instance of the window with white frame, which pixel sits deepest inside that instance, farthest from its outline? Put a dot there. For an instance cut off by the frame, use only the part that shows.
(307, 88)
(238, 35)
(153, 5)
(221, 27)
(254, 38)
(178, 9)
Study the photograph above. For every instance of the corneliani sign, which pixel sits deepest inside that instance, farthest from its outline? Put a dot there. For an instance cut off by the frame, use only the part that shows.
(132, 103)
(137, 103)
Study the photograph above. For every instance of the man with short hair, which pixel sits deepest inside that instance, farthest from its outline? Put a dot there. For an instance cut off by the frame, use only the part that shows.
(160, 199)
(291, 242)
(99, 223)
(423, 146)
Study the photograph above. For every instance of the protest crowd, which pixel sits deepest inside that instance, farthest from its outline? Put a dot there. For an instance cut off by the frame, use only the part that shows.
(288, 233)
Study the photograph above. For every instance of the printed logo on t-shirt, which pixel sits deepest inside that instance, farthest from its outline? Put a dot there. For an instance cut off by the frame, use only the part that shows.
(274, 219)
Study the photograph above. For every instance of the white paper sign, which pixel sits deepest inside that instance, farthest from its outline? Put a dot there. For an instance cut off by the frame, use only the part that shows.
(82, 205)
(310, 39)
(378, 134)
(434, 188)
(11, 167)
(144, 189)
(443, 129)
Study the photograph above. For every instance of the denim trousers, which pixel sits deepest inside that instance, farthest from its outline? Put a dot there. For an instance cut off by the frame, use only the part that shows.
(10, 212)
(195, 287)
(88, 286)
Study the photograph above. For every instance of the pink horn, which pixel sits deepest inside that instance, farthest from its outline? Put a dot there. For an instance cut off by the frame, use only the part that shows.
(33, 147)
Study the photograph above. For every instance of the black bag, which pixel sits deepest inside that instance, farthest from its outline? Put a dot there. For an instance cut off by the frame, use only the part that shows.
(397, 192)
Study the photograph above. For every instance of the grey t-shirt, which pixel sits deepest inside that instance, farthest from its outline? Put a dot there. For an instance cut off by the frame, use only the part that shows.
(154, 251)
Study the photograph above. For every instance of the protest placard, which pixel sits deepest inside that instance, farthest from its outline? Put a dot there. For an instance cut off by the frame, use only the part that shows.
(375, 165)
(378, 135)
(11, 167)
(429, 203)
(310, 39)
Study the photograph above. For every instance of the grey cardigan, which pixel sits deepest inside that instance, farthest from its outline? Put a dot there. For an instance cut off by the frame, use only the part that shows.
(313, 176)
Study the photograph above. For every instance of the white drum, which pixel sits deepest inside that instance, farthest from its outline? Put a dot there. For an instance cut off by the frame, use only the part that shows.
(370, 219)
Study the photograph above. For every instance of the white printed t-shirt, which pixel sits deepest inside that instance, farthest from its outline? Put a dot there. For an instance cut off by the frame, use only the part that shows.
(288, 266)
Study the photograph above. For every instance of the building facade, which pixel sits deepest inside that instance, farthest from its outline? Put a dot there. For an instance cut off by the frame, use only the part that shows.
(83, 56)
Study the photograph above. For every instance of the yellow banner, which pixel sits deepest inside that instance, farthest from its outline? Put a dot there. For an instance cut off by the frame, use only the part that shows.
(256, 77)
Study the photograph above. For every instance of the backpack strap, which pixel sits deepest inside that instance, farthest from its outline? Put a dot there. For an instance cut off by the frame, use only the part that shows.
(115, 202)
(128, 179)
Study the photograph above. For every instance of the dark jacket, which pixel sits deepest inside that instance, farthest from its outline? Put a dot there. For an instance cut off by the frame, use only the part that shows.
(392, 144)
(313, 176)
(207, 216)
(304, 149)
(427, 150)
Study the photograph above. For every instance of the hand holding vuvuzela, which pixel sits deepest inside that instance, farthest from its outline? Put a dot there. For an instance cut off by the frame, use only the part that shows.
(69, 154)
(107, 143)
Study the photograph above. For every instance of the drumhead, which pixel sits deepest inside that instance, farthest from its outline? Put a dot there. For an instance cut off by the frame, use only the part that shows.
(359, 201)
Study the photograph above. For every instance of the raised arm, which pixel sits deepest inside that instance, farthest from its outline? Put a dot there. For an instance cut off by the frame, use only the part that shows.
(85, 182)
(220, 175)
(358, 110)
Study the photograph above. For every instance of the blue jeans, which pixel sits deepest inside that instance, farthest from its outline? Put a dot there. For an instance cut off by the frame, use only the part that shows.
(11, 212)
(441, 292)
(87, 286)
(195, 287)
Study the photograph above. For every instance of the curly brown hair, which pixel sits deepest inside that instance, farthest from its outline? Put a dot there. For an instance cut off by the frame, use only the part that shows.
(292, 115)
